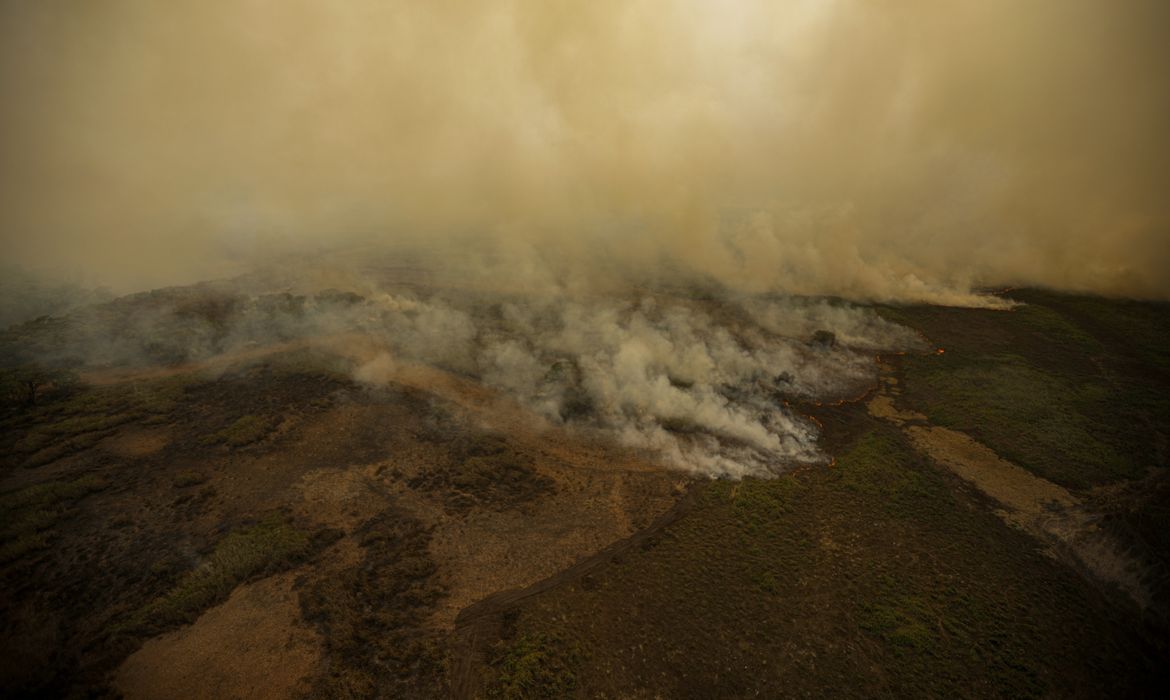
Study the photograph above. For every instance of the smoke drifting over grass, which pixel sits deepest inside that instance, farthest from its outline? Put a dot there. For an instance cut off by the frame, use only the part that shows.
(613, 212)
(703, 385)
(903, 149)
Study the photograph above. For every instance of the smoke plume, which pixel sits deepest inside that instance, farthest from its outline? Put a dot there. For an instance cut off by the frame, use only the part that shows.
(618, 215)
(702, 385)
(903, 149)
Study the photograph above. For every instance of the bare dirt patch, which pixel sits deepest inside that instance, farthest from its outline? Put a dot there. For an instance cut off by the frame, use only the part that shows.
(137, 442)
(1045, 510)
(254, 645)
(882, 406)
(341, 498)
(492, 551)
(1028, 496)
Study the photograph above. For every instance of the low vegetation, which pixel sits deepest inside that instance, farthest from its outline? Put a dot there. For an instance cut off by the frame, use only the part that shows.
(244, 431)
(189, 477)
(534, 667)
(374, 617)
(271, 545)
(26, 385)
(904, 622)
(880, 575)
(28, 515)
(69, 421)
(482, 469)
(1055, 385)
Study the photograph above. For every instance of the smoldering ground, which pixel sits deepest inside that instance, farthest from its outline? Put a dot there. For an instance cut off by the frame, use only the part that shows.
(702, 385)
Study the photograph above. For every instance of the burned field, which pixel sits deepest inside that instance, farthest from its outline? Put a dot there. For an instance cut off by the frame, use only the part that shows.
(209, 515)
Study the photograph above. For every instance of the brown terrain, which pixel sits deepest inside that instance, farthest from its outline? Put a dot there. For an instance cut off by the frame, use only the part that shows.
(271, 523)
(445, 494)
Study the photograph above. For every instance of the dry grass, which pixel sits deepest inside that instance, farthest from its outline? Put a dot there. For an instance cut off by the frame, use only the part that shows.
(272, 545)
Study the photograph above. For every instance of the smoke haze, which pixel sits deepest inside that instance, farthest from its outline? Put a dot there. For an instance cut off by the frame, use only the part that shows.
(702, 385)
(614, 215)
(897, 149)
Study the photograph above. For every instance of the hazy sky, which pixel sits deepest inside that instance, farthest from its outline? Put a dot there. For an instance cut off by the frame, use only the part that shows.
(882, 148)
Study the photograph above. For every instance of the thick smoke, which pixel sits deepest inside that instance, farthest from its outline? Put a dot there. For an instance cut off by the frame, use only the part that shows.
(702, 385)
(903, 149)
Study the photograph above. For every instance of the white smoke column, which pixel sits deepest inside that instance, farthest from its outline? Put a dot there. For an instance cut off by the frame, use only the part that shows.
(704, 384)
(705, 387)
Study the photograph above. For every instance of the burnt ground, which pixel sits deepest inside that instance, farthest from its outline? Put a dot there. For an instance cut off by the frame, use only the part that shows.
(267, 527)
(139, 510)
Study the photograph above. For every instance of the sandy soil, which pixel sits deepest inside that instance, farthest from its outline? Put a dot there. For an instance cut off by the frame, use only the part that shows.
(137, 443)
(252, 646)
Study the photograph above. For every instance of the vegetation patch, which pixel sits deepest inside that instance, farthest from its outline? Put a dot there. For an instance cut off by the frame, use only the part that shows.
(69, 421)
(1056, 385)
(1133, 329)
(534, 667)
(876, 468)
(29, 514)
(904, 622)
(26, 385)
(271, 545)
(758, 503)
(373, 616)
(244, 431)
(881, 575)
(483, 470)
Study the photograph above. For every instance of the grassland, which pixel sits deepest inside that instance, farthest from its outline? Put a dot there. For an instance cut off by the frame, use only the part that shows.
(264, 548)
(29, 514)
(112, 527)
(881, 576)
(75, 419)
(885, 575)
(1072, 388)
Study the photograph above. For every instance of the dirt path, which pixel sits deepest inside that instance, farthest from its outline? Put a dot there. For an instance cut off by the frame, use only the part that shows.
(1045, 510)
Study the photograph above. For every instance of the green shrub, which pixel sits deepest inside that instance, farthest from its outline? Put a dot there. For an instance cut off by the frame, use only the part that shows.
(535, 666)
(30, 513)
(244, 431)
(271, 545)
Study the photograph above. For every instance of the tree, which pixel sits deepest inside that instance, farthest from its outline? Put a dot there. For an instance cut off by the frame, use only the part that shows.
(25, 385)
